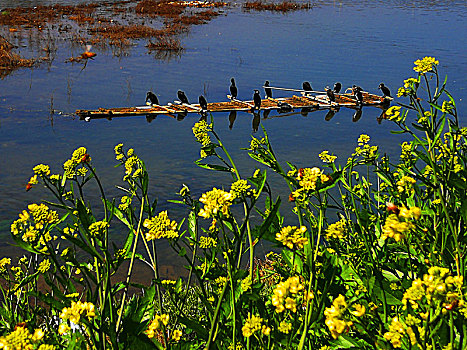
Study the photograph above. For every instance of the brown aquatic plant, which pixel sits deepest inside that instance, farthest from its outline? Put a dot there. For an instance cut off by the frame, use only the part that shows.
(284, 6)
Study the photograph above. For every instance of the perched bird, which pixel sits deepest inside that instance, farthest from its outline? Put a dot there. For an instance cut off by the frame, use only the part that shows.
(268, 91)
(204, 106)
(233, 88)
(359, 96)
(337, 87)
(257, 100)
(203, 103)
(307, 86)
(385, 90)
(152, 98)
(182, 97)
(357, 92)
(330, 94)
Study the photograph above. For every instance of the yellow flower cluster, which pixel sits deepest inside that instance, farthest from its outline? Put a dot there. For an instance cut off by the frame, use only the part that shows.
(207, 242)
(405, 184)
(132, 163)
(337, 229)
(156, 324)
(3, 263)
(251, 325)
(215, 202)
(335, 318)
(326, 157)
(410, 86)
(119, 155)
(425, 65)
(76, 310)
(363, 140)
(256, 143)
(397, 330)
(447, 106)
(437, 287)
(41, 170)
(292, 237)
(398, 225)
(406, 150)
(284, 327)
(176, 335)
(287, 294)
(308, 177)
(31, 223)
(393, 113)
(98, 228)
(200, 130)
(161, 226)
(125, 202)
(70, 166)
(20, 339)
(44, 266)
(240, 188)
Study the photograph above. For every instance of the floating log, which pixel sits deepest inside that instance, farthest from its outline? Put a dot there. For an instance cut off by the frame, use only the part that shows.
(296, 102)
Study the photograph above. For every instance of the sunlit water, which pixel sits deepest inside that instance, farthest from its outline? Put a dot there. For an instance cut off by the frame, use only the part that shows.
(364, 43)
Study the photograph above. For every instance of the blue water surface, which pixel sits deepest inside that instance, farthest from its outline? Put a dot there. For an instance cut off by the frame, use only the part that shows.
(364, 43)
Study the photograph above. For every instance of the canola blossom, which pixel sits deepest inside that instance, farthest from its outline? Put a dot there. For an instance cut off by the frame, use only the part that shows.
(292, 237)
(425, 65)
(215, 202)
(160, 226)
(156, 325)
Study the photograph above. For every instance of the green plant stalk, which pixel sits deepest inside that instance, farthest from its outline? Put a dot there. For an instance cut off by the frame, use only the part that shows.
(212, 331)
(130, 268)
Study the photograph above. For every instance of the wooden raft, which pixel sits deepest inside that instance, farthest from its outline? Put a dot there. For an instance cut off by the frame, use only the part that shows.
(295, 102)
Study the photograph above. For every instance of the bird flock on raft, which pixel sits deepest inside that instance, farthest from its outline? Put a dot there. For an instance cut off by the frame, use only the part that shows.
(307, 99)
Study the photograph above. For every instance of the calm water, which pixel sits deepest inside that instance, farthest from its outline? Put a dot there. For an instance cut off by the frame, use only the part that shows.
(364, 43)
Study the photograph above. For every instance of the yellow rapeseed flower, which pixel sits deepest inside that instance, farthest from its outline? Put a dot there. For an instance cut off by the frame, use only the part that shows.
(76, 310)
(98, 228)
(125, 202)
(425, 65)
(161, 226)
(41, 170)
(176, 335)
(215, 202)
(3, 263)
(285, 327)
(326, 157)
(200, 130)
(240, 188)
(44, 266)
(292, 237)
(251, 325)
(337, 229)
(156, 324)
(393, 113)
(207, 242)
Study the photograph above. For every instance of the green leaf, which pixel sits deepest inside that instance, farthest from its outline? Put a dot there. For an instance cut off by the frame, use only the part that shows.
(213, 167)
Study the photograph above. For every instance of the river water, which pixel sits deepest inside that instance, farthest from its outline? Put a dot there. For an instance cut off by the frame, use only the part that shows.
(354, 42)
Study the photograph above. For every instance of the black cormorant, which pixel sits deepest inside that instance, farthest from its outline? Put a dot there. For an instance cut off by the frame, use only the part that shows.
(268, 91)
(182, 97)
(384, 89)
(330, 93)
(357, 92)
(337, 88)
(233, 88)
(307, 86)
(257, 100)
(152, 98)
(203, 103)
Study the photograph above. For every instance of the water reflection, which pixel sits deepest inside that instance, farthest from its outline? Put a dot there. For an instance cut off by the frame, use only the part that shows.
(331, 113)
(357, 115)
(232, 117)
(256, 121)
